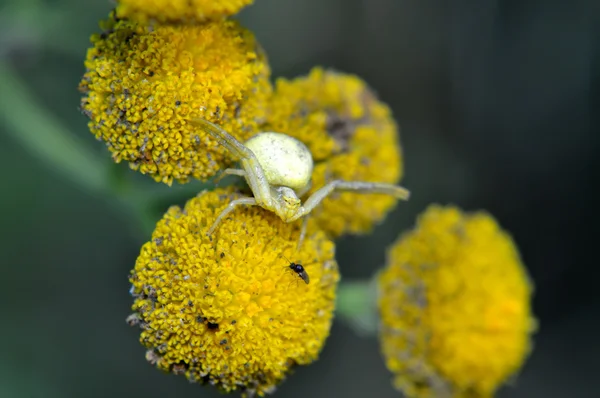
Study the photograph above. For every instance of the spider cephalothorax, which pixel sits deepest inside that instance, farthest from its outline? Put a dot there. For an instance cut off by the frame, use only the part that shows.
(278, 170)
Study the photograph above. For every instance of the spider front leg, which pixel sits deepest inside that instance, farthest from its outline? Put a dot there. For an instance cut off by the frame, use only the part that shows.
(231, 207)
(255, 176)
(237, 149)
(356, 186)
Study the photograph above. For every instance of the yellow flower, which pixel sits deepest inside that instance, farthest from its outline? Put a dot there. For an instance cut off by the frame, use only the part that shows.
(179, 10)
(227, 309)
(351, 135)
(143, 82)
(455, 306)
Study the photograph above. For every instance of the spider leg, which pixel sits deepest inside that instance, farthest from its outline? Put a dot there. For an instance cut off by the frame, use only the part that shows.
(301, 193)
(355, 186)
(237, 149)
(256, 179)
(235, 172)
(255, 176)
(231, 207)
(302, 232)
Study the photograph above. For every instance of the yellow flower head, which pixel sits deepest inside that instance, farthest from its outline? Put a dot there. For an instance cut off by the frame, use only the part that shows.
(228, 309)
(351, 135)
(455, 306)
(143, 82)
(179, 10)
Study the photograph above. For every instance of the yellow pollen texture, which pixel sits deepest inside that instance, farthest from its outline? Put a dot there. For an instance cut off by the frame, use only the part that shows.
(143, 82)
(455, 304)
(188, 11)
(351, 135)
(227, 309)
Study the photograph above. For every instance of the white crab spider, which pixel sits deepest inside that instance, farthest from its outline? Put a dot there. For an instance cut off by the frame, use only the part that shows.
(278, 170)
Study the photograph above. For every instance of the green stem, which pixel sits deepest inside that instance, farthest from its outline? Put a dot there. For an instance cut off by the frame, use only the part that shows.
(33, 24)
(41, 133)
(357, 305)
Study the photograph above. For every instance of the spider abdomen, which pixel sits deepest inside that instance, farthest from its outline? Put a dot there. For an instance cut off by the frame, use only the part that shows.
(285, 160)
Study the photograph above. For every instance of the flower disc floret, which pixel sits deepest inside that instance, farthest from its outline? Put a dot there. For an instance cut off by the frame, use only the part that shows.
(227, 309)
(144, 82)
(351, 135)
(179, 10)
(455, 306)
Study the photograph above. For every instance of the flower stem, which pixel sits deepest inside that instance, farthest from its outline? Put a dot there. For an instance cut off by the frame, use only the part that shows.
(357, 305)
(43, 136)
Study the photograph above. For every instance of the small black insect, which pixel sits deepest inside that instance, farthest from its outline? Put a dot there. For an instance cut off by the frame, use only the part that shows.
(299, 269)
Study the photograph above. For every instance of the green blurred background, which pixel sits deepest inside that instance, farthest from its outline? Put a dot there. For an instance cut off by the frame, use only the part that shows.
(495, 104)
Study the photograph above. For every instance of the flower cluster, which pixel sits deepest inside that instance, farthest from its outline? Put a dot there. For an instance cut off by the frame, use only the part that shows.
(229, 310)
(352, 137)
(221, 309)
(143, 82)
(178, 10)
(455, 306)
(240, 307)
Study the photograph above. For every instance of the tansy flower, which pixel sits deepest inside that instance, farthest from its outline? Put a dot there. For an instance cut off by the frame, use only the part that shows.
(179, 10)
(351, 135)
(455, 306)
(228, 309)
(143, 82)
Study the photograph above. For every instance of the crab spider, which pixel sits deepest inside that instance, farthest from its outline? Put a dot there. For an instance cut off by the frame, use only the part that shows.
(278, 170)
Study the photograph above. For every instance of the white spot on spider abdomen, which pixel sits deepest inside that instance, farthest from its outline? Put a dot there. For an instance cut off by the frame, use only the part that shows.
(285, 160)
